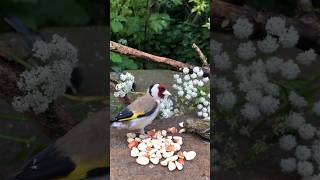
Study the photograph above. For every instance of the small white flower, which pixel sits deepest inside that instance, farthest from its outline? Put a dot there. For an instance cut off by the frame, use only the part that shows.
(250, 111)
(254, 96)
(123, 77)
(276, 26)
(289, 38)
(186, 78)
(205, 115)
(200, 83)
(188, 97)
(222, 61)
(288, 165)
(306, 57)
(242, 28)
(268, 45)
(185, 70)
(303, 152)
(180, 93)
(202, 99)
(206, 103)
(194, 94)
(269, 105)
(200, 73)
(290, 70)
(174, 86)
(196, 69)
(193, 75)
(295, 120)
(204, 110)
(287, 142)
(305, 168)
(227, 100)
(307, 131)
(179, 80)
(223, 84)
(296, 100)
(271, 89)
(246, 50)
(242, 72)
(199, 106)
(274, 64)
(195, 82)
(200, 113)
(176, 76)
(206, 79)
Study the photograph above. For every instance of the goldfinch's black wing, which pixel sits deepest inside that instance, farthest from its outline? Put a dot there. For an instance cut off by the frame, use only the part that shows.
(52, 164)
(48, 164)
(126, 114)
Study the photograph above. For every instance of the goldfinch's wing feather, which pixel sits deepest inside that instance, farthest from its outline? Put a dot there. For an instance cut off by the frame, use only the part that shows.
(46, 165)
(126, 115)
(141, 107)
(81, 153)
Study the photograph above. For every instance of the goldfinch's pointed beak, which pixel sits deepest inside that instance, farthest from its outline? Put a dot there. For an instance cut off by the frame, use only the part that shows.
(167, 93)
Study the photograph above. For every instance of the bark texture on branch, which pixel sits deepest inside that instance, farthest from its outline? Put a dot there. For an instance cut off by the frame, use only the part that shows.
(220, 11)
(134, 53)
(55, 122)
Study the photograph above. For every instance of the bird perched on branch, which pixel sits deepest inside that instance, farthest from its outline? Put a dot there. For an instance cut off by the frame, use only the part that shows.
(142, 111)
(81, 153)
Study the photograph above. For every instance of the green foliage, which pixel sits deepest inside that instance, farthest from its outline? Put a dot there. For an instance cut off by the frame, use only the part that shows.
(200, 6)
(122, 62)
(40, 13)
(165, 28)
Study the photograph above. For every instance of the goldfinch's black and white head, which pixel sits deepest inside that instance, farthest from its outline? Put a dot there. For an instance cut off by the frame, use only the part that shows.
(159, 91)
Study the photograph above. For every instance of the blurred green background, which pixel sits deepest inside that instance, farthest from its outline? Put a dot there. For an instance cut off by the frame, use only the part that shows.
(160, 27)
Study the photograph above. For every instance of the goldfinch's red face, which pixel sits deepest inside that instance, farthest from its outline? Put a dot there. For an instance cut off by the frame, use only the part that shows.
(159, 91)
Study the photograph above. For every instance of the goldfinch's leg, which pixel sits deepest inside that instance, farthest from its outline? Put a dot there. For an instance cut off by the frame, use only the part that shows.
(142, 131)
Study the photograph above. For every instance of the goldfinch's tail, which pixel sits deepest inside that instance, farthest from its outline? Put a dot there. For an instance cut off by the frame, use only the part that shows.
(119, 125)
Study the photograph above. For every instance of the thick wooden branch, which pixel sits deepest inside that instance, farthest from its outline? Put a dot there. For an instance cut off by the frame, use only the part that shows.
(55, 121)
(134, 53)
(221, 11)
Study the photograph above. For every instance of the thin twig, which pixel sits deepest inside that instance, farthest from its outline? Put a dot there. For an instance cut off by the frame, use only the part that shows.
(203, 58)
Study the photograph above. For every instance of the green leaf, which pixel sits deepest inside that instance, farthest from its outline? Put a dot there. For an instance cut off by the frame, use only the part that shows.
(116, 26)
(115, 57)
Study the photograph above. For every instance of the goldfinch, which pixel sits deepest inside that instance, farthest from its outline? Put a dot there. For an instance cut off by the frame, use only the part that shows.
(81, 153)
(142, 111)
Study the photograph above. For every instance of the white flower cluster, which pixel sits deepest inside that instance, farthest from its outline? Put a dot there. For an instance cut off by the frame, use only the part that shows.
(288, 37)
(258, 83)
(268, 45)
(306, 57)
(287, 142)
(166, 108)
(222, 61)
(295, 120)
(296, 100)
(43, 84)
(246, 50)
(191, 89)
(242, 28)
(125, 85)
(288, 165)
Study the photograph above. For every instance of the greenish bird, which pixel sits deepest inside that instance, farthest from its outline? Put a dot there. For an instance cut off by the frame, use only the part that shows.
(82, 153)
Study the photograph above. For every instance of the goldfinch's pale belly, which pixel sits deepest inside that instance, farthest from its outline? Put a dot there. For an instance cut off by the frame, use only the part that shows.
(140, 123)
